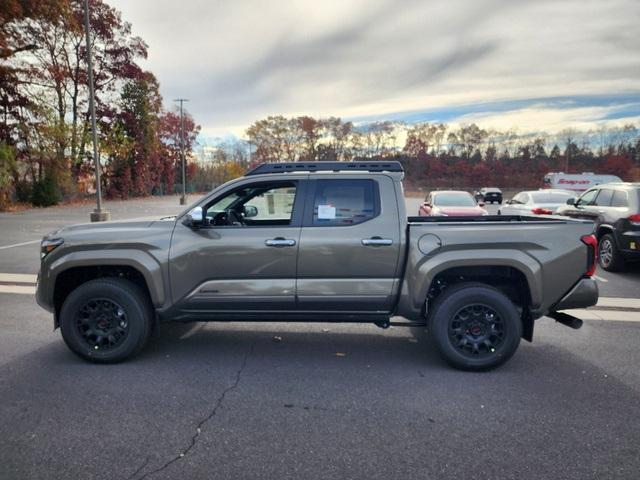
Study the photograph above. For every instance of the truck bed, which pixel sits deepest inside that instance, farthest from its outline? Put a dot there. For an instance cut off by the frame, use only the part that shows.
(489, 219)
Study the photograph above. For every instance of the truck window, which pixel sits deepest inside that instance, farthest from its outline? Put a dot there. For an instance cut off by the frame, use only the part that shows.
(258, 205)
(273, 204)
(604, 197)
(588, 198)
(619, 199)
(344, 202)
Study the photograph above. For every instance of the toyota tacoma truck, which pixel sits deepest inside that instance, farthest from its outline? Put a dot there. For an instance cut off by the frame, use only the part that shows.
(318, 242)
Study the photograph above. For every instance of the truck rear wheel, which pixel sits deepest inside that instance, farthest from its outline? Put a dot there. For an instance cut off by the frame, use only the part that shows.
(475, 326)
(106, 320)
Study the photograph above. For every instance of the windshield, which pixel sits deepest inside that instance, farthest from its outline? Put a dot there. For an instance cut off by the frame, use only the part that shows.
(454, 200)
(556, 197)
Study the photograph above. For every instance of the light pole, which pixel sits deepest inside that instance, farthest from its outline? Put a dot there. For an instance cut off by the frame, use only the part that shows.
(183, 198)
(98, 215)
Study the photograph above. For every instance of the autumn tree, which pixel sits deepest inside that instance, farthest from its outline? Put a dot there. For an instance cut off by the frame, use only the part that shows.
(55, 71)
(171, 138)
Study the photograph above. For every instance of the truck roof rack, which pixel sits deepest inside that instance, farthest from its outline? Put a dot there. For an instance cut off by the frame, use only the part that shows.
(374, 166)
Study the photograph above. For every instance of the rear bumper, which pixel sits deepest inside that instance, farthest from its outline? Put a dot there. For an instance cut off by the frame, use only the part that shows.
(629, 245)
(583, 294)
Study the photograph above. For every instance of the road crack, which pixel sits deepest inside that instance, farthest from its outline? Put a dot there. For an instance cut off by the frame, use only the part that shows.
(194, 439)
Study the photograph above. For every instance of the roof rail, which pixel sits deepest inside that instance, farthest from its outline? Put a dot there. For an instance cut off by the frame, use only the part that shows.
(374, 166)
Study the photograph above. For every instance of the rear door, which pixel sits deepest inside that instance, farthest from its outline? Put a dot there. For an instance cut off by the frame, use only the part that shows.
(603, 211)
(349, 254)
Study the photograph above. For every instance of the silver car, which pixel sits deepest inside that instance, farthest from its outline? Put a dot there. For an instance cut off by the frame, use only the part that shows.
(536, 202)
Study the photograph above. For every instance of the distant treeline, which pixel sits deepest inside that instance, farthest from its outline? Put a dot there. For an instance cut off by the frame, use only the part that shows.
(437, 154)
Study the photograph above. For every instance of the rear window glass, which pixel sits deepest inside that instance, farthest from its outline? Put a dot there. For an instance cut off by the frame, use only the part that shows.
(550, 197)
(344, 202)
(619, 199)
(453, 200)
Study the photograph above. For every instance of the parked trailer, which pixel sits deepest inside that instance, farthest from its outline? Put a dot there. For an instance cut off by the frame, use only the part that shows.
(576, 182)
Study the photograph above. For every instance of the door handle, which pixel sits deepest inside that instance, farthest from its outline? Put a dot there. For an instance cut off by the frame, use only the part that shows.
(376, 242)
(279, 242)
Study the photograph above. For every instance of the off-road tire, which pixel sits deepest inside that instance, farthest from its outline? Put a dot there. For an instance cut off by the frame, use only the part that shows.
(498, 321)
(132, 306)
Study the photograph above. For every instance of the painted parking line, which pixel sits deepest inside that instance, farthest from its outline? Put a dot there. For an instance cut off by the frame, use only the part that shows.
(600, 279)
(19, 289)
(18, 278)
(619, 302)
(605, 315)
(19, 244)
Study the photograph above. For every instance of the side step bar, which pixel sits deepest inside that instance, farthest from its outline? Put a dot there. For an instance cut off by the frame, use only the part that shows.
(566, 319)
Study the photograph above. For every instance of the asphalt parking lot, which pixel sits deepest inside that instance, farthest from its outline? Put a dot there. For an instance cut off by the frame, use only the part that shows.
(304, 401)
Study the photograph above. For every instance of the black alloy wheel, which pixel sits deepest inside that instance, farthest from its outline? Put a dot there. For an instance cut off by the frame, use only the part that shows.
(476, 330)
(102, 323)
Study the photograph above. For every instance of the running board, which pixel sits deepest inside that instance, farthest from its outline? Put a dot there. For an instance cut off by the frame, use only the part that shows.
(566, 319)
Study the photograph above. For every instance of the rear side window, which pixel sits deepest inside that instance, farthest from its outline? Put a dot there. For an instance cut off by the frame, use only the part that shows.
(619, 199)
(604, 197)
(345, 202)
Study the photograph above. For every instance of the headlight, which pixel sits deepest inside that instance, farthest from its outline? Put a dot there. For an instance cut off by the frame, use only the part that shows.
(49, 245)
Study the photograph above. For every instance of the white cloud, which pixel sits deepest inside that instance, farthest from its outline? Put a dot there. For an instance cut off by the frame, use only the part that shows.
(536, 118)
(239, 61)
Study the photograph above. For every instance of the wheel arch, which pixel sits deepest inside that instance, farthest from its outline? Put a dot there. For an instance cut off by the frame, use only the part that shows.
(77, 268)
(513, 272)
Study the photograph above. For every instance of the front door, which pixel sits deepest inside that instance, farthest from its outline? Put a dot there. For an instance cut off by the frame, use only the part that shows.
(243, 257)
(349, 246)
(585, 208)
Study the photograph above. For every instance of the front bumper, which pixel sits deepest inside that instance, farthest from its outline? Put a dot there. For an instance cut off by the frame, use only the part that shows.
(42, 298)
(583, 294)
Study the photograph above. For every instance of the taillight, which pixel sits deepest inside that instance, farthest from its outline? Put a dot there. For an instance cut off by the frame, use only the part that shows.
(592, 250)
(635, 219)
(541, 211)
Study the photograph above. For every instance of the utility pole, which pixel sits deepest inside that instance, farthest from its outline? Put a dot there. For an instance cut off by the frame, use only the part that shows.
(98, 215)
(183, 198)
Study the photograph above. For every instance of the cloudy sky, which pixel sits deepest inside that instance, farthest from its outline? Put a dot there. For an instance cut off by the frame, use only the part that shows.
(531, 64)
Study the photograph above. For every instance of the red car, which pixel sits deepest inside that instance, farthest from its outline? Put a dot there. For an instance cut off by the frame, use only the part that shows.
(451, 203)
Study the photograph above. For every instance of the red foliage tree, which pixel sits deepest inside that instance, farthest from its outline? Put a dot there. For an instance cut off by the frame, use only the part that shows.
(619, 165)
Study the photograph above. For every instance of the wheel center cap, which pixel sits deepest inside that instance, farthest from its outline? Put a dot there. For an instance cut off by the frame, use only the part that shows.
(475, 330)
(103, 323)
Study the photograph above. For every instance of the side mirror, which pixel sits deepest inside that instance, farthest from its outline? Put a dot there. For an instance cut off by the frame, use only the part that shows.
(508, 202)
(428, 205)
(481, 204)
(571, 201)
(250, 211)
(193, 218)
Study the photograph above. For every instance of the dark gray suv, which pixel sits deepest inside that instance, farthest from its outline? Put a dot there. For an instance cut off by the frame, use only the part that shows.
(615, 209)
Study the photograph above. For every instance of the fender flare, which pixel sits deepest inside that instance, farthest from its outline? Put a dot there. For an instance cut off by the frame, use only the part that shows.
(148, 267)
(434, 265)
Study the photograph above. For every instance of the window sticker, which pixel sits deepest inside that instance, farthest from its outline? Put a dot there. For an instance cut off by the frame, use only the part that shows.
(326, 212)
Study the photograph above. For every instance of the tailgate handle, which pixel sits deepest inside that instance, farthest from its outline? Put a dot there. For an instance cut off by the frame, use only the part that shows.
(376, 242)
(280, 242)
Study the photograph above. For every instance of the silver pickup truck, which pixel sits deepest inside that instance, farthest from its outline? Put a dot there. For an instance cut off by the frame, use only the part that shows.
(318, 242)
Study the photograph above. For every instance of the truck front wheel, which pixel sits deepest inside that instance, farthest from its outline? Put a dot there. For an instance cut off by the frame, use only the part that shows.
(106, 320)
(475, 326)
